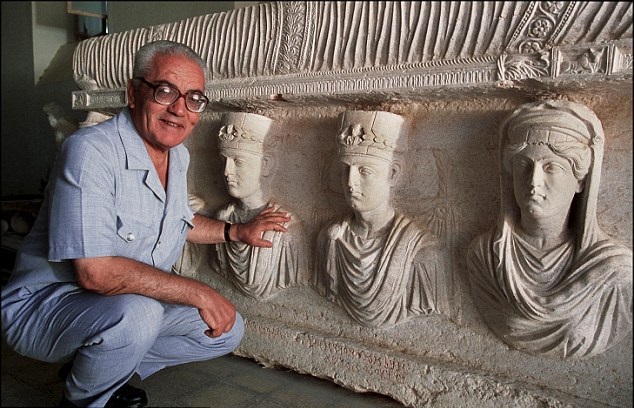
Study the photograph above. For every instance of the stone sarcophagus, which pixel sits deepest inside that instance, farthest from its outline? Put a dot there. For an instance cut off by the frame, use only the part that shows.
(460, 180)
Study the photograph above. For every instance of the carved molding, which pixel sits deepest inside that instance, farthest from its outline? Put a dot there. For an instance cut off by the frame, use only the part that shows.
(334, 51)
(404, 80)
(292, 37)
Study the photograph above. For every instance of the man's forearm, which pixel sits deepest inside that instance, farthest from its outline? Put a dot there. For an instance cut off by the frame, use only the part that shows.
(206, 231)
(119, 275)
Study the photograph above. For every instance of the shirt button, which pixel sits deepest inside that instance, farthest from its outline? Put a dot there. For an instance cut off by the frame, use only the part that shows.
(129, 237)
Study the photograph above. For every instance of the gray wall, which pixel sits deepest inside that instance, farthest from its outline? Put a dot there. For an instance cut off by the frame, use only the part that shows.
(26, 149)
(33, 33)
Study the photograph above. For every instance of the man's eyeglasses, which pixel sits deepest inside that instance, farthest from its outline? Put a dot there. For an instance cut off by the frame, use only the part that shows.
(166, 94)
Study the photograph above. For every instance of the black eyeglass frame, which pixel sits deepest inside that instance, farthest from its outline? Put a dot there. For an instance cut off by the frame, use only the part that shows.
(184, 95)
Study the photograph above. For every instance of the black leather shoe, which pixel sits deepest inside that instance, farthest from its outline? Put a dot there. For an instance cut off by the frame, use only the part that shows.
(127, 397)
(64, 371)
(64, 403)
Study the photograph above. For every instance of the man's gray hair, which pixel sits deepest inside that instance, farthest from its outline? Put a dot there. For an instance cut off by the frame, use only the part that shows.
(146, 54)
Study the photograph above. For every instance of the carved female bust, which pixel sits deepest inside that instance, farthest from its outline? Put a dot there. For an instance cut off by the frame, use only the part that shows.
(547, 280)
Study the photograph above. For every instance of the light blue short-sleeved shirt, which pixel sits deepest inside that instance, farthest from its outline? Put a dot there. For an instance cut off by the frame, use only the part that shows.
(104, 198)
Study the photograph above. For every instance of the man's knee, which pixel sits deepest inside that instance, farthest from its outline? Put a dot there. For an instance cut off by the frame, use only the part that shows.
(135, 320)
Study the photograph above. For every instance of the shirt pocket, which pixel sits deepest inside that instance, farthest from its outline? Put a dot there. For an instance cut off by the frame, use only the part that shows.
(176, 229)
(177, 226)
(137, 239)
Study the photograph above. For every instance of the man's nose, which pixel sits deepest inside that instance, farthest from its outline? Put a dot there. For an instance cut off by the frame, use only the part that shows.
(178, 107)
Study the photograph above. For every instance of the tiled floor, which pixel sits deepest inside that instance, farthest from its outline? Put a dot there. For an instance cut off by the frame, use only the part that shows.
(226, 382)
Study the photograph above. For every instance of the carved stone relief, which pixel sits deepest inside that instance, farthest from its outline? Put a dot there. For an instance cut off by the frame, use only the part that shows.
(247, 150)
(377, 264)
(332, 51)
(547, 279)
(455, 70)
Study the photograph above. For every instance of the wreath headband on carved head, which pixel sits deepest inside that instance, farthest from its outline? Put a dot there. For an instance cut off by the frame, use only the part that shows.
(244, 131)
(371, 133)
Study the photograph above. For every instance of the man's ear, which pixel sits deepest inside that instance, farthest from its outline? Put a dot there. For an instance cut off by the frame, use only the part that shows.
(130, 93)
(395, 172)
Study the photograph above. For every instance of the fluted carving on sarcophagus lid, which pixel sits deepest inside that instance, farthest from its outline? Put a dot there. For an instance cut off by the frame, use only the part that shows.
(339, 50)
(360, 34)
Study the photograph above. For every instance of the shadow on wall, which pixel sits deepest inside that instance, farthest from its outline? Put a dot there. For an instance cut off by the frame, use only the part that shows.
(60, 69)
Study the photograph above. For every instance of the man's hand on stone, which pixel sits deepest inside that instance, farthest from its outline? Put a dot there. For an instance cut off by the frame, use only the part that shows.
(270, 219)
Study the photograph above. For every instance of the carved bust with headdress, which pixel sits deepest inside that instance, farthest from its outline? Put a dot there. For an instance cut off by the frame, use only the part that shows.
(376, 263)
(247, 146)
(547, 280)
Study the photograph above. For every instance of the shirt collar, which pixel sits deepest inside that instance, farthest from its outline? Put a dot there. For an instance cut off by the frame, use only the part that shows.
(137, 156)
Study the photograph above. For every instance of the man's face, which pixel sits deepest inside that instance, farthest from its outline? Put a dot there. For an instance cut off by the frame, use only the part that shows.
(366, 182)
(242, 171)
(543, 182)
(163, 127)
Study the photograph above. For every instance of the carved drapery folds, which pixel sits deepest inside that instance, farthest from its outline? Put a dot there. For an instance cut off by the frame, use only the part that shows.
(378, 264)
(454, 70)
(402, 48)
(547, 280)
(247, 150)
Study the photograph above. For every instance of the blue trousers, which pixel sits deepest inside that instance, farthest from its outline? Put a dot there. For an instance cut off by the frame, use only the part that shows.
(108, 338)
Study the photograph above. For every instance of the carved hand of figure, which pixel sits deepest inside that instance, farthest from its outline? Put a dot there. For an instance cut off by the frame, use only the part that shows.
(270, 219)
